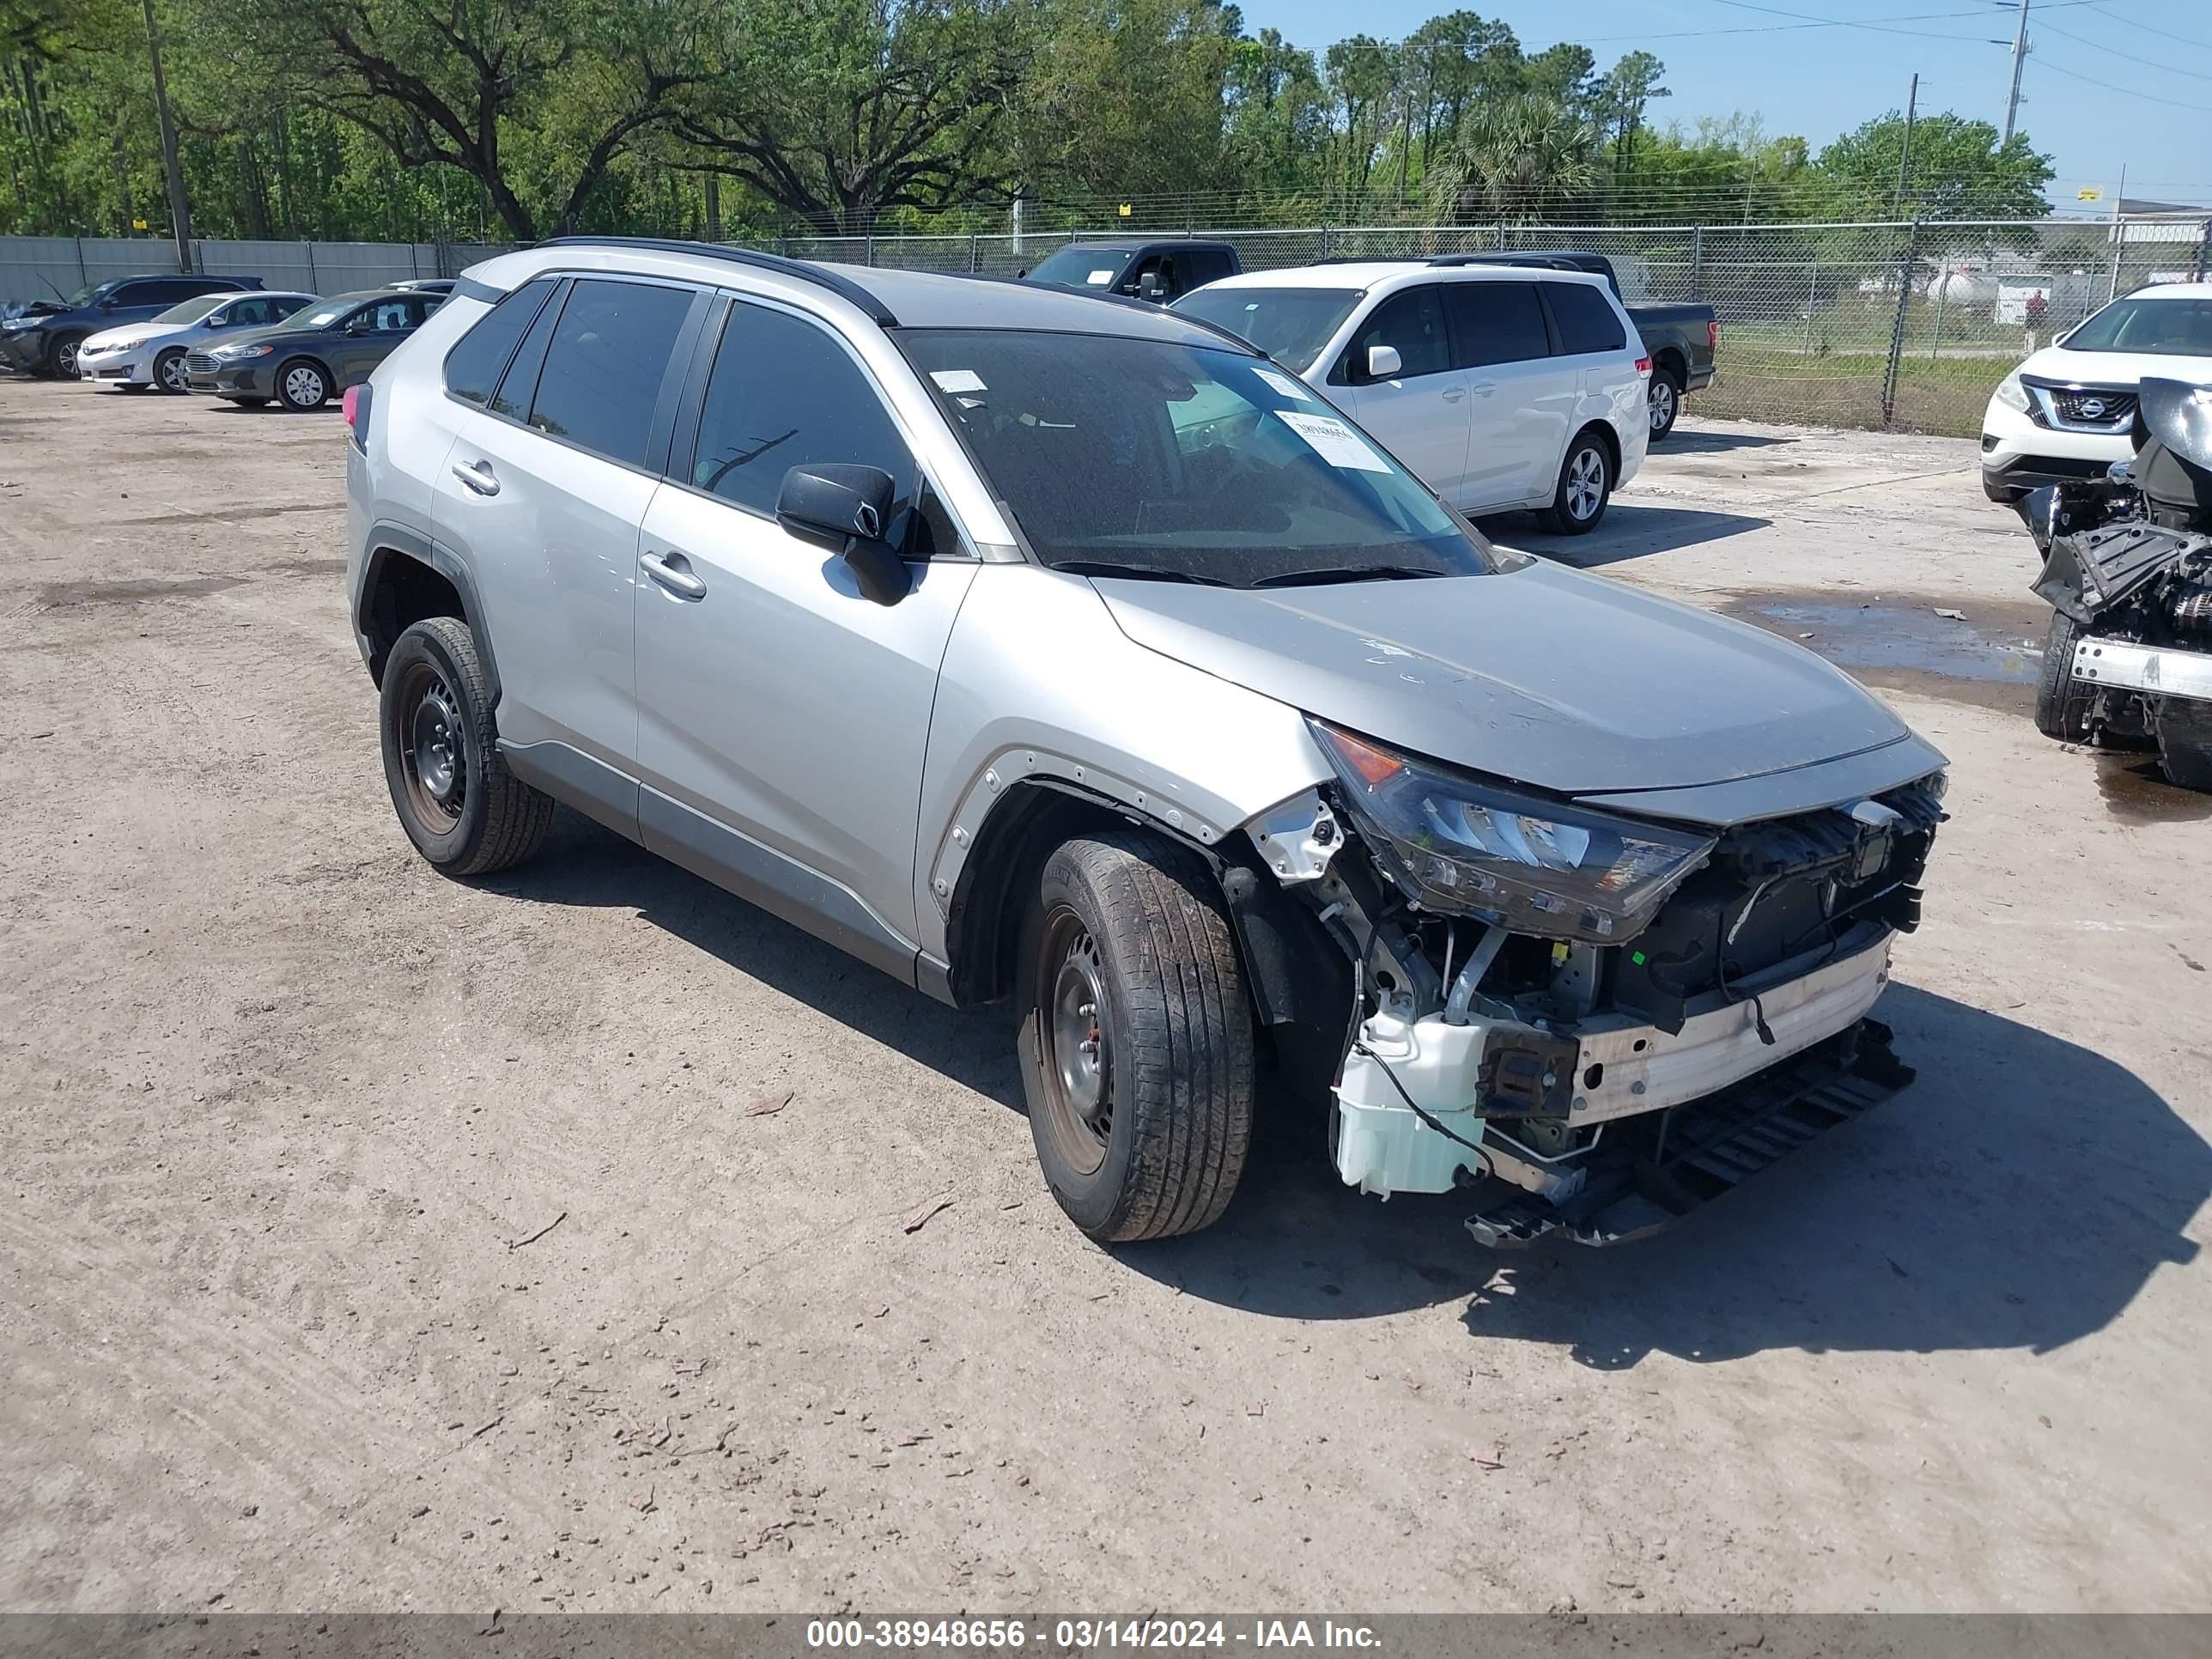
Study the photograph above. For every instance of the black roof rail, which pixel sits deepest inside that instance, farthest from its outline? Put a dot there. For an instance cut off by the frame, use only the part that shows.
(1146, 306)
(805, 270)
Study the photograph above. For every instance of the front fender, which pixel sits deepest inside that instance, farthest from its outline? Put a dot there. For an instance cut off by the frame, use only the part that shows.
(1039, 682)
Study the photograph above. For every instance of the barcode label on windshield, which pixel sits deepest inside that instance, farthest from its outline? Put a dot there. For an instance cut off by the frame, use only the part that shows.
(1333, 441)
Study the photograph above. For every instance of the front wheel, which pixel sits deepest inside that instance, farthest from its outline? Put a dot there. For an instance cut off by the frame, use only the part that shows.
(1663, 403)
(61, 357)
(302, 385)
(2061, 707)
(1137, 1044)
(1584, 488)
(169, 372)
(465, 813)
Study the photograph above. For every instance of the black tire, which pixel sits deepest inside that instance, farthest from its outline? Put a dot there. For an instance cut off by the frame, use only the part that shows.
(465, 813)
(1135, 923)
(169, 372)
(303, 384)
(2062, 707)
(2185, 743)
(1664, 401)
(1570, 513)
(61, 356)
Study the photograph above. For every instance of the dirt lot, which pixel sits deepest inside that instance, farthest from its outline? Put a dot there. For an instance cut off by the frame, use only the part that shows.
(374, 1242)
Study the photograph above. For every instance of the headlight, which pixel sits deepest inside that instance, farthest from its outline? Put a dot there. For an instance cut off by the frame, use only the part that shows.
(2011, 393)
(120, 345)
(231, 354)
(1466, 846)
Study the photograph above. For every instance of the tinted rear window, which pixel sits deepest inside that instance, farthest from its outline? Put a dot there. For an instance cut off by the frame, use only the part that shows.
(1497, 323)
(603, 371)
(1586, 321)
(474, 365)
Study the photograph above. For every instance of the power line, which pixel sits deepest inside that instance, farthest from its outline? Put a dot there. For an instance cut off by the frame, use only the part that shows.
(1853, 23)
(2125, 92)
(2186, 40)
(2128, 57)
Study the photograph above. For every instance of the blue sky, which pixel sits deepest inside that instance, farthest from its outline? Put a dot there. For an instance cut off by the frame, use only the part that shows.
(1820, 81)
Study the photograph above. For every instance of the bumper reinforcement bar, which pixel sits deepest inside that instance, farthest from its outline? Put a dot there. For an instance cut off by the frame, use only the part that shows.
(1698, 1151)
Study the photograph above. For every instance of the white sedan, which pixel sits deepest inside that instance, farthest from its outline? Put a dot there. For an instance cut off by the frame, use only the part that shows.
(2066, 412)
(152, 352)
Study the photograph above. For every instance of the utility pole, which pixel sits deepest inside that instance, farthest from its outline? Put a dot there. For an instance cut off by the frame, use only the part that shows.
(2019, 56)
(1905, 159)
(181, 213)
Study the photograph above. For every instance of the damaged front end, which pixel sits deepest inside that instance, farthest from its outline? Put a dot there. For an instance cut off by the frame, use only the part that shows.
(2128, 568)
(1598, 1023)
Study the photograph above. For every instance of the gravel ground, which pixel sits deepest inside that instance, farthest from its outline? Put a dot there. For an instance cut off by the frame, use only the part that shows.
(376, 1242)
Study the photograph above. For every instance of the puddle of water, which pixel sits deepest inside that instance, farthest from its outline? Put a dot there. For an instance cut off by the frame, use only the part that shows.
(1910, 638)
(2136, 791)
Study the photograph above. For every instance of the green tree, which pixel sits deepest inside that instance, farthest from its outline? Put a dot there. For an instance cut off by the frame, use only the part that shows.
(1362, 77)
(1619, 98)
(1958, 170)
(1561, 74)
(1454, 60)
(1129, 97)
(1526, 158)
(1277, 113)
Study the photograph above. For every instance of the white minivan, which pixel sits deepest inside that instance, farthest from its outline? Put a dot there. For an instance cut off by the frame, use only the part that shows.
(1500, 386)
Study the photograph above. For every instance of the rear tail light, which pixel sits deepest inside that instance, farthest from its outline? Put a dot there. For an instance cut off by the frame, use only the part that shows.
(356, 414)
(1713, 333)
(1643, 365)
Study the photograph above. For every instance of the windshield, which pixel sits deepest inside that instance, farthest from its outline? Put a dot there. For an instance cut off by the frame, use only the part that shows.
(1151, 459)
(194, 309)
(91, 295)
(1291, 325)
(320, 317)
(2173, 328)
(1093, 268)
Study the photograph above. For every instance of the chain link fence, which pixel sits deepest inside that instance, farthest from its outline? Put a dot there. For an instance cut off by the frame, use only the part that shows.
(1904, 324)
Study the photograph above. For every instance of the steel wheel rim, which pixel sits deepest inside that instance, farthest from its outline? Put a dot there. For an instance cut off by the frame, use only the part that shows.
(1662, 403)
(1585, 483)
(1076, 1057)
(304, 386)
(431, 752)
(170, 371)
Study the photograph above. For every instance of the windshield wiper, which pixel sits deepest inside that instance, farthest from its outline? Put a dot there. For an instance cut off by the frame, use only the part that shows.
(1362, 572)
(1158, 573)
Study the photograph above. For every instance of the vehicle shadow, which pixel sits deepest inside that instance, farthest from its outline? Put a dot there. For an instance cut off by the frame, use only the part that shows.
(1630, 532)
(584, 864)
(2019, 1195)
(1697, 440)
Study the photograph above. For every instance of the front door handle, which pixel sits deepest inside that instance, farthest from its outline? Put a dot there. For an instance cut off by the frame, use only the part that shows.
(477, 475)
(673, 571)
(1454, 393)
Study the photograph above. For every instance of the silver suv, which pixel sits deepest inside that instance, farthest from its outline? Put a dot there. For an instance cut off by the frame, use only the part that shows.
(1035, 646)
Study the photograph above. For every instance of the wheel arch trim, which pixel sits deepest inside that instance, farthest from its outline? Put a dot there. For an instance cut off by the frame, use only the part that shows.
(387, 541)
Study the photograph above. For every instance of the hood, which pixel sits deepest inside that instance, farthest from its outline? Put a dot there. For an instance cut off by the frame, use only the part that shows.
(2111, 367)
(1570, 684)
(284, 330)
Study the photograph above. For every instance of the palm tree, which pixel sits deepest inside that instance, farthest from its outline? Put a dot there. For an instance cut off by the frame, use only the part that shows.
(1519, 158)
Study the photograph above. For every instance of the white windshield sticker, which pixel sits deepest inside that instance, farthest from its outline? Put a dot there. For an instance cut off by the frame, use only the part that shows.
(1284, 385)
(1099, 278)
(1333, 441)
(953, 381)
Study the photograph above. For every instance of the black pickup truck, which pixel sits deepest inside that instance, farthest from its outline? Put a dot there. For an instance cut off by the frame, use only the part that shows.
(1681, 338)
(1159, 269)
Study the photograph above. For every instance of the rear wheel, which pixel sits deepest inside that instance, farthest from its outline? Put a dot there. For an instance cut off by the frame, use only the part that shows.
(2061, 707)
(1664, 401)
(465, 811)
(1137, 1045)
(302, 385)
(2185, 743)
(169, 371)
(1584, 488)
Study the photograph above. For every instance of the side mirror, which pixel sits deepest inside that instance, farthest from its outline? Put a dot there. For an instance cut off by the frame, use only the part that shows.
(1149, 287)
(1383, 363)
(850, 507)
(108, 305)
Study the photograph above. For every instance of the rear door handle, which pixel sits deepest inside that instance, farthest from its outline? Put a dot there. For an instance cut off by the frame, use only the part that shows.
(477, 475)
(673, 572)
(1484, 388)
